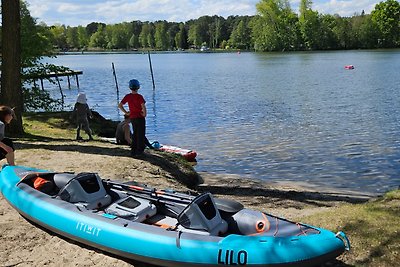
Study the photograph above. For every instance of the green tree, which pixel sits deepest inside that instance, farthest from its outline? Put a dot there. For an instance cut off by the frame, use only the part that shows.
(36, 42)
(118, 35)
(72, 37)
(173, 29)
(240, 36)
(274, 28)
(91, 28)
(59, 34)
(134, 41)
(150, 36)
(35, 39)
(160, 36)
(146, 37)
(290, 33)
(310, 26)
(83, 39)
(199, 32)
(343, 31)
(215, 31)
(328, 38)
(194, 37)
(135, 29)
(181, 37)
(387, 17)
(98, 39)
(367, 31)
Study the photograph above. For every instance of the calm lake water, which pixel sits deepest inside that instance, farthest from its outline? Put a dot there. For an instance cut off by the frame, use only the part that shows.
(289, 117)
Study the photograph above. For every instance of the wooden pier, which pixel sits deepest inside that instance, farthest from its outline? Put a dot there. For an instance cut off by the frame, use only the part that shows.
(57, 75)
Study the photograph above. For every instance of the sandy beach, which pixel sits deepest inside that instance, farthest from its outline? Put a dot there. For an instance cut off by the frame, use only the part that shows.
(24, 244)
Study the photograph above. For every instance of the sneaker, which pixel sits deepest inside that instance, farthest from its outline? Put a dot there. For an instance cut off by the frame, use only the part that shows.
(79, 138)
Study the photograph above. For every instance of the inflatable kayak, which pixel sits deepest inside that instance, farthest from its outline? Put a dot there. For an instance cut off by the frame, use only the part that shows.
(163, 227)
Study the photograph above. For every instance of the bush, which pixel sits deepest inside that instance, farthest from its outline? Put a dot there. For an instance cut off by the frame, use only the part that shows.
(36, 99)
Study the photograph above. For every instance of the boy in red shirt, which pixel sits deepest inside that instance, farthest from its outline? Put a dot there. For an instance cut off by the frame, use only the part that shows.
(137, 114)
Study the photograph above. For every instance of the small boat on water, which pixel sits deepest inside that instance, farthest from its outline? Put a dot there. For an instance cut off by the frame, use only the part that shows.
(349, 67)
(163, 227)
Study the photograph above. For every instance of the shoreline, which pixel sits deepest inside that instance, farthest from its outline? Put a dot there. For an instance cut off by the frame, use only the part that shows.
(288, 185)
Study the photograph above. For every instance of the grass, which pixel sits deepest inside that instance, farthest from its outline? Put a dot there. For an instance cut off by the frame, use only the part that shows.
(48, 126)
(60, 125)
(373, 229)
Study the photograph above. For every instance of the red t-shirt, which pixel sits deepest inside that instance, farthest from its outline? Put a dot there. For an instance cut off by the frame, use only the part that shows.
(135, 102)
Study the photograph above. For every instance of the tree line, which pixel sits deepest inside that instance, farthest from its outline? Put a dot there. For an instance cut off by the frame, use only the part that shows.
(276, 27)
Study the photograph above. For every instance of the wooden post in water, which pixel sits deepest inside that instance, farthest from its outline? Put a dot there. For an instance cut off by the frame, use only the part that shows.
(62, 94)
(115, 77)
(151, 70)
(116, 85)
(77, 80)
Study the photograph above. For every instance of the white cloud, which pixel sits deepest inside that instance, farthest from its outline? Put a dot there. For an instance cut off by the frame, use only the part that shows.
(76, 12)
(345, 7)
(69, 8)
(117, 11)
(38, 8)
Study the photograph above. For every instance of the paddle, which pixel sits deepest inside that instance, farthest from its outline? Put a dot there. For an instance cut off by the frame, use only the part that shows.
(225, 205)
(157, 194)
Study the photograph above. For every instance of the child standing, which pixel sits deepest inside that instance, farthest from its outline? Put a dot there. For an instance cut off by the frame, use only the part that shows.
(82, 112)
(137, 114)
(6, 144)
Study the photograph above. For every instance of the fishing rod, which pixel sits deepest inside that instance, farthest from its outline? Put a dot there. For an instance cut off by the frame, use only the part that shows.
(151, 70)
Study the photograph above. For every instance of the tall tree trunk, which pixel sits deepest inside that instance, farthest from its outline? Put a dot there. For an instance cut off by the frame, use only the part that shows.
(11, 87)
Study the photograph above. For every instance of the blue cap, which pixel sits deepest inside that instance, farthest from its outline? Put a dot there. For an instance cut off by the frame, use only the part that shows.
(134, 84)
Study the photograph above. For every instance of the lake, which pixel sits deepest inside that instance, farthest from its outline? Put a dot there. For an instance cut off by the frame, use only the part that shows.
(287, 117)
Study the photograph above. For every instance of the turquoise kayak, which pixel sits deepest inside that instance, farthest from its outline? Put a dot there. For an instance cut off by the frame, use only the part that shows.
(163, 227)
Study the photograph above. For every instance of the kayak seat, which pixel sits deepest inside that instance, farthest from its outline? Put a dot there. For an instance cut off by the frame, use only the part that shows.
(42, 182)
(84, 188)
(132, 208)
(202, 215)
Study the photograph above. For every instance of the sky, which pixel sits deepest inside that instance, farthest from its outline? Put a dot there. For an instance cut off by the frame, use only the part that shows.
(83, 12)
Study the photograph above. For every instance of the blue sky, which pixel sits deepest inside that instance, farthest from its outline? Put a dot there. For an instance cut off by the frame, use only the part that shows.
(82, 12)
